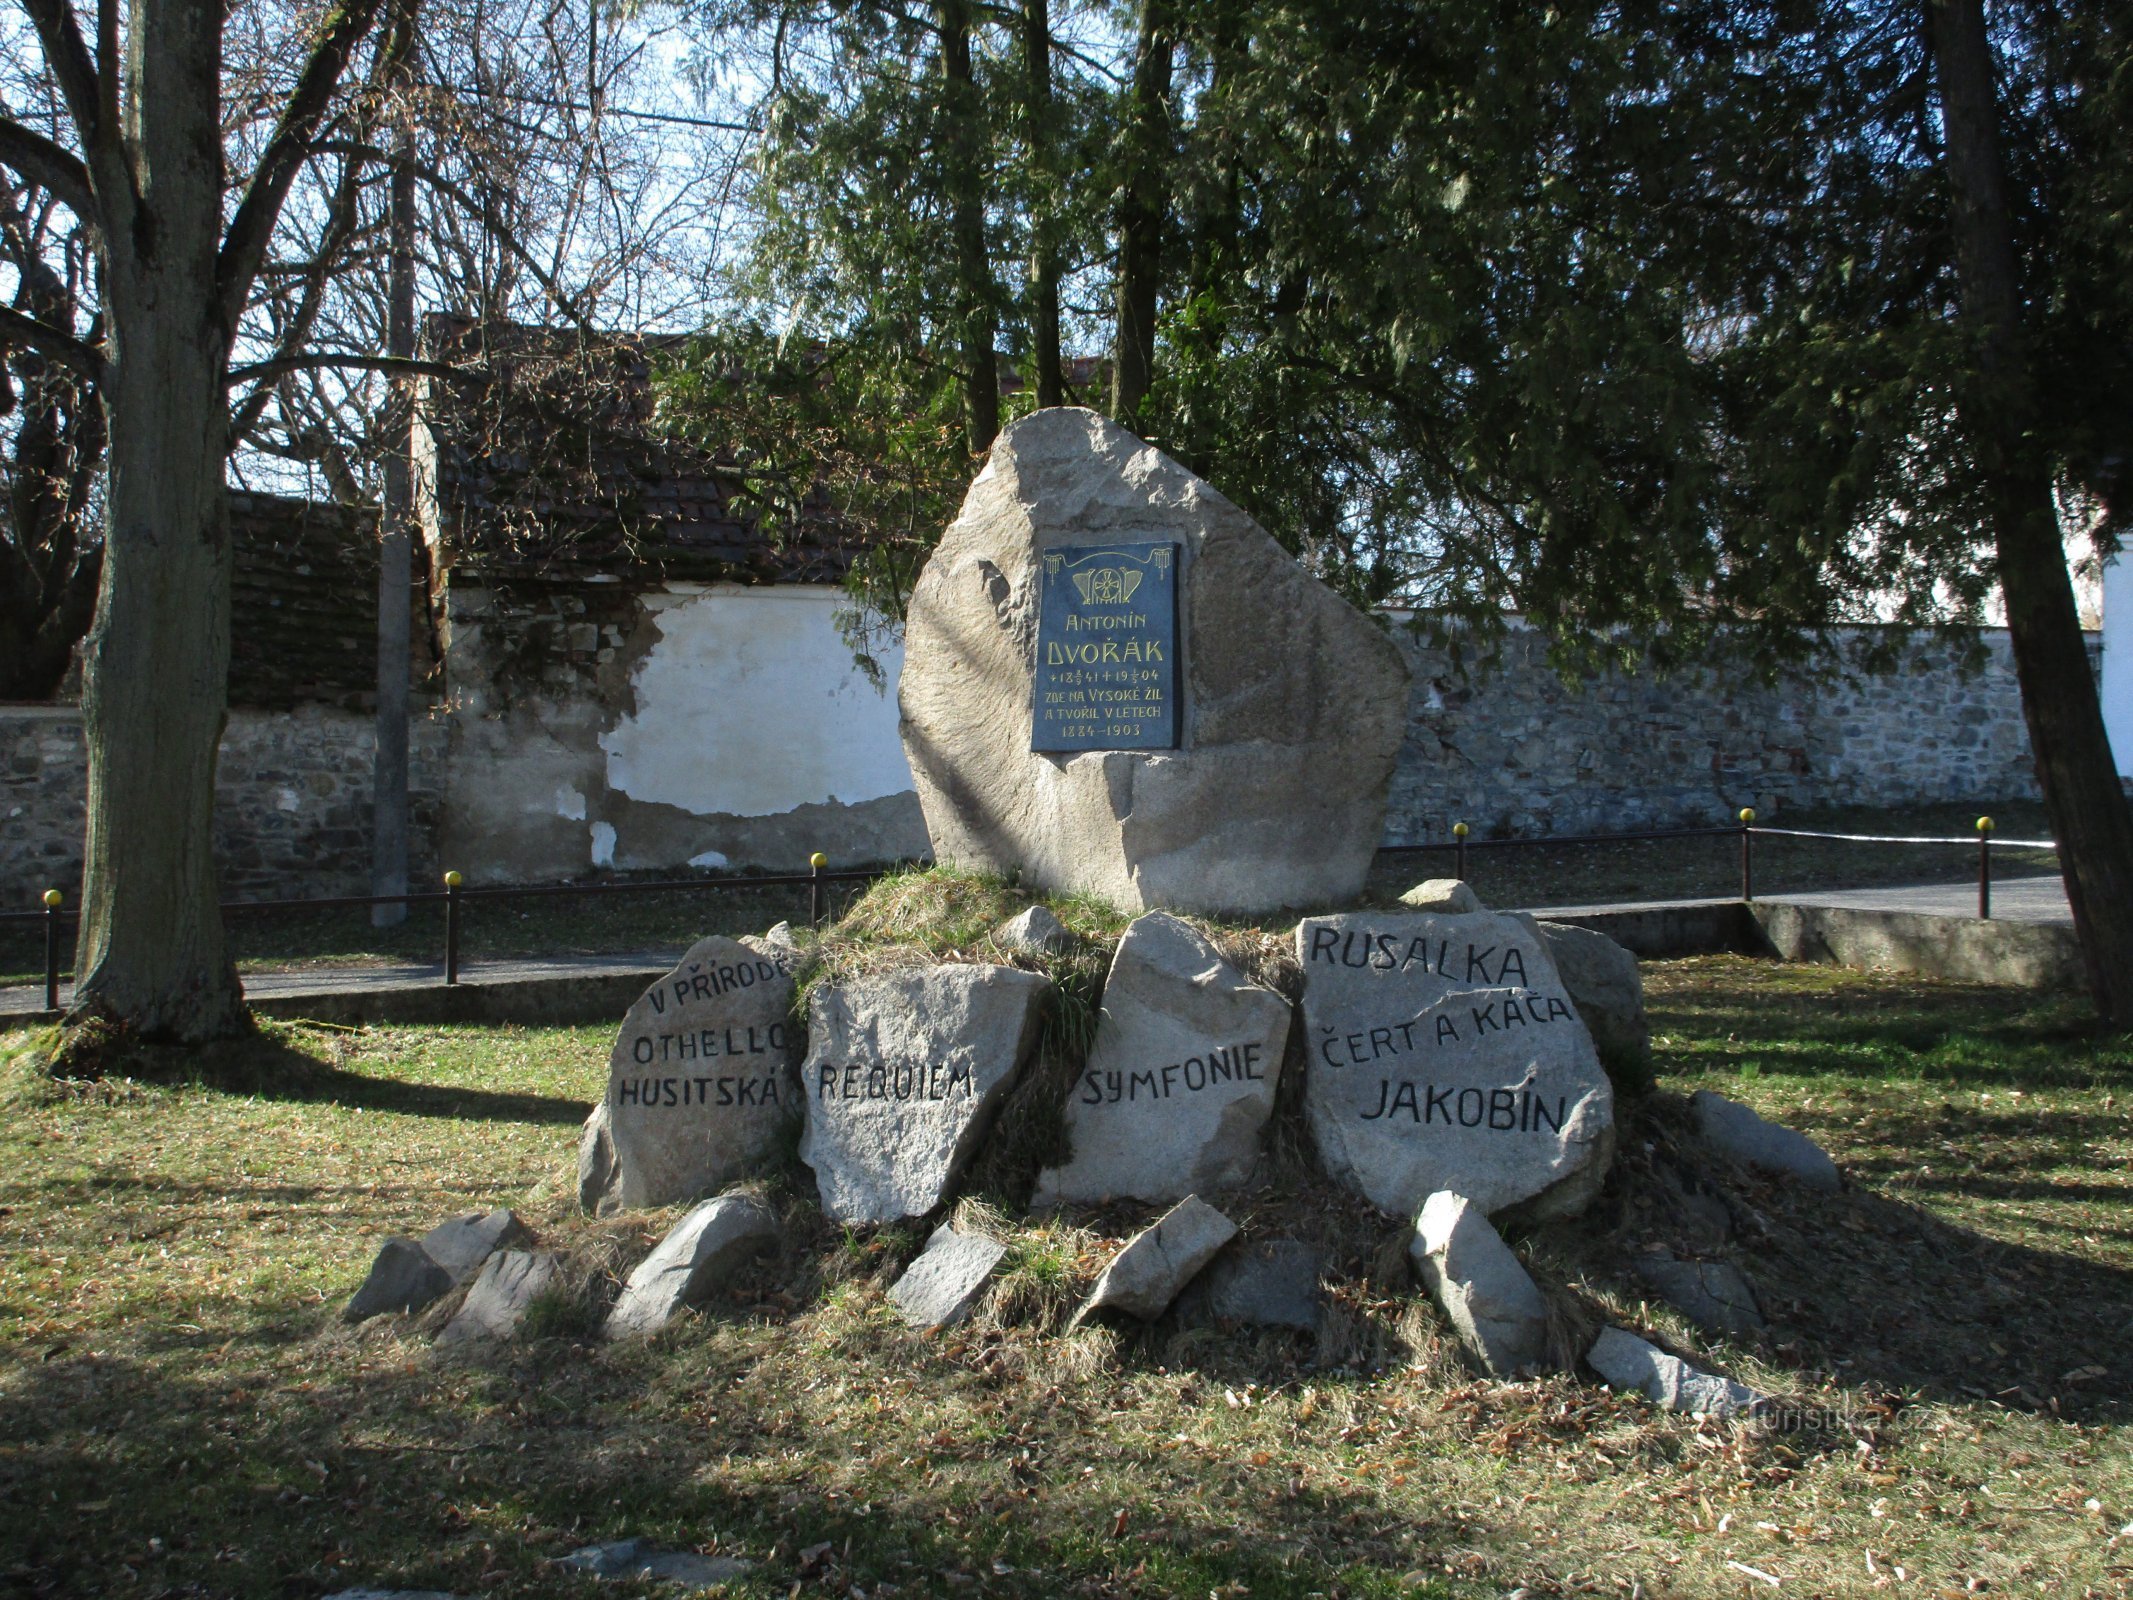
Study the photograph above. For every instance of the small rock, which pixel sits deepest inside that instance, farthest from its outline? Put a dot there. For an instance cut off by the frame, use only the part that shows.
(1479, 1285)
(403, 1278)
(940, 1287)
(779, 941)
(1035, 931)
(904, 1072)
(507, 1284)
(461, 1245)
(1605, 985)
(598, 1169)
(1733, 1130)
(1629, 1363)
(699, 1253)
(1159, 1261)
(638, 1558)
(1264, 1283)
(1712, 1294)
(1181, 1079)
(1449, 895)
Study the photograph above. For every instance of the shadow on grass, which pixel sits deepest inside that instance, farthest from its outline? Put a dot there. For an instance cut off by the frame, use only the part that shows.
(474, 1477)
(1876, 1290)
(1727, 1014)
(266, 1067)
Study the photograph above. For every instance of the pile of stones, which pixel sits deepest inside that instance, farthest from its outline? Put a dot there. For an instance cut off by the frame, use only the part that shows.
(1454, 1065)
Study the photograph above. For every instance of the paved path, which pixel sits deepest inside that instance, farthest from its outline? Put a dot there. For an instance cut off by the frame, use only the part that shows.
(2039, 899)
(328, 981)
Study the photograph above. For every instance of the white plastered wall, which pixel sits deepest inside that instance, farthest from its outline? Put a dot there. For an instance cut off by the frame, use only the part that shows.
(749, 705)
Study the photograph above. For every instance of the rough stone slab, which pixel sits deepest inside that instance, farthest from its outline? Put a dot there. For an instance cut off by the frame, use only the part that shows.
(1451, 896)
(1034, 929)
(1712, 1294)
(598, 1175)
(939, 1289)
(1733, 1130)
(700, 1090)
(1264, 1283)
(639, 1558)
(391, 1594)
(699, 1253)
(1634, 1365)
(462, 1244)
(496, 1302)
(402, 1278)
(1603, 982)
(1445, 1054)
(1487, 1296)
(904, 1072)
(1159, 1261)
(1181, 1079)
(1294, 703)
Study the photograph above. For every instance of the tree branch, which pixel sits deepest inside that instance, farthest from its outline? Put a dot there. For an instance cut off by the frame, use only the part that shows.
(485, 214)
(245, 245)
(73, 68)
(61, 346)
(356, 361)
(42, 161)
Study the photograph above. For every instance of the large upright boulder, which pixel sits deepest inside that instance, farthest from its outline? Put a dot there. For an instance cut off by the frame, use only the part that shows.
(1288, 704)
(1445, 1054)
(1181, 1079)
(700, 1088)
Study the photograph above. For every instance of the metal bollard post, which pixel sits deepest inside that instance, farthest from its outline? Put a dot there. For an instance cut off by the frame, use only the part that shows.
(452, 881)
(1747, 853)
(1984, 869)
(1459, 833)
(816, 863)
(52, 901)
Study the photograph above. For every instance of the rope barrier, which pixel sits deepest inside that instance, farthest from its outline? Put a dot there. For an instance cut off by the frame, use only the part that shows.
(1883, 838)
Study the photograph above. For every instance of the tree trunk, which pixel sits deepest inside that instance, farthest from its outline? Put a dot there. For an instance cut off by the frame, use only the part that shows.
(1044, 205)
(389, 819)
(978, 333)
(156, 676)
(2089, 813)
(1143, 201)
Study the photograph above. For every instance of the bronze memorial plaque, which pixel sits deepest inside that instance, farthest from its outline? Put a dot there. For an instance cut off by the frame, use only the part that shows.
(1107, 660)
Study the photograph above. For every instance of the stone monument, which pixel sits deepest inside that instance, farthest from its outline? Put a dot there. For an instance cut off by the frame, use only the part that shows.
(1115, 681)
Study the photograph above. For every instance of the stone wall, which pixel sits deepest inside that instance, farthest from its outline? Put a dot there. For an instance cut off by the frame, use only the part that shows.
(293, 798)
(1515, 750)
(719, 726)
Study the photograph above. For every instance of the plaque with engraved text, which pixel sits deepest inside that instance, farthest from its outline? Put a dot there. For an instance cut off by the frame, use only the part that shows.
(1107, 660)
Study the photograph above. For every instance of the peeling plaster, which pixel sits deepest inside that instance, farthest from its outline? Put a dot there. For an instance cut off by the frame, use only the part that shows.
(603, 844)
(748, 705)
(569, 804)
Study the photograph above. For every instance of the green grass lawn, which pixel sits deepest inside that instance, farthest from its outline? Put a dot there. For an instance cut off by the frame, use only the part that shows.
(182, 1413)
